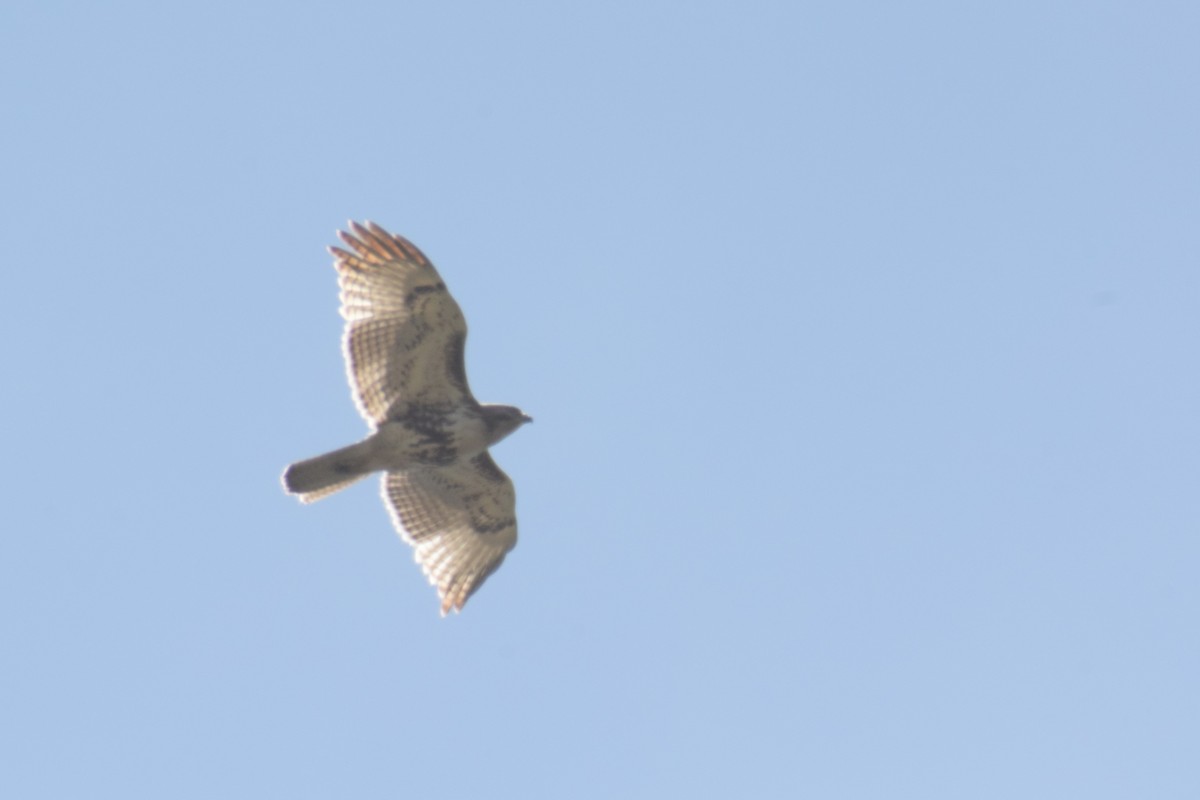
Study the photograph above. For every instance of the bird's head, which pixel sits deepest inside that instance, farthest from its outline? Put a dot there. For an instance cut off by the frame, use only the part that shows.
(503, 420)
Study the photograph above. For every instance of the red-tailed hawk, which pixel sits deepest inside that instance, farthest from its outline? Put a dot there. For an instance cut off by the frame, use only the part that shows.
(403, 344)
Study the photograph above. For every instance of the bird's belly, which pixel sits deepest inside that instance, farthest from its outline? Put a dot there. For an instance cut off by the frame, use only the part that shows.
(408, 443)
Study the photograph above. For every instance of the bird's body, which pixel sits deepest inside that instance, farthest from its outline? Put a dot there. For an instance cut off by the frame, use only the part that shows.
(404, 352)
(421, 438)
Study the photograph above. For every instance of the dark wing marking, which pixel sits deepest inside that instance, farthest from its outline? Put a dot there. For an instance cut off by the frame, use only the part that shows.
(404, 333)
(460, 519)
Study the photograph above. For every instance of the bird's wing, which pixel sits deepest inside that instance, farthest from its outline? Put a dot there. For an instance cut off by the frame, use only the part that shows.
(461, 519)
(404, 333)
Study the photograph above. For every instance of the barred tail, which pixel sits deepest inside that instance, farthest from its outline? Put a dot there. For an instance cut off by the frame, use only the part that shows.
(320, 477)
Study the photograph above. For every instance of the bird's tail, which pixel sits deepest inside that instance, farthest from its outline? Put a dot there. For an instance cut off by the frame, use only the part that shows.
(320, 477)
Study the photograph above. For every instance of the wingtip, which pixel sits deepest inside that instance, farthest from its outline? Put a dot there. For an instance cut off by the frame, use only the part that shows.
(373, 244)
(450, 603)
(366, 227)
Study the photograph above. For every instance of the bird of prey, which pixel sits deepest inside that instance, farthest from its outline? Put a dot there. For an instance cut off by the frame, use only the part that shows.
(403, 344)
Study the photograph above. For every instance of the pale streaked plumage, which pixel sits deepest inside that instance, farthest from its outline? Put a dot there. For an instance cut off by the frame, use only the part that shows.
(403, 345)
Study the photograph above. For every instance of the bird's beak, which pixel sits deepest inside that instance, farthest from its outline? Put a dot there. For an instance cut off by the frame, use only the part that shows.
(526, 418)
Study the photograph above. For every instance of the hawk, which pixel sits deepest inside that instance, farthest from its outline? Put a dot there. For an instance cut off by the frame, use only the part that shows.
(403, 344)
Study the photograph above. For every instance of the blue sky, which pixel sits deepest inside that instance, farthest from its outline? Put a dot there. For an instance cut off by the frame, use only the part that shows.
(862, 340)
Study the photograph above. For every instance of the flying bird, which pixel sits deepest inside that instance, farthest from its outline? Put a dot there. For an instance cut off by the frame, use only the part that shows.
(403, 344)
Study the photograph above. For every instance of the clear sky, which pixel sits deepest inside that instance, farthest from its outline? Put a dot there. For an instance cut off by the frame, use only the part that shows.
(862, 340)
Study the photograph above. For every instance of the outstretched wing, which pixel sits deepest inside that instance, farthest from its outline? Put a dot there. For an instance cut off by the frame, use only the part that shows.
(404, 333)
(461, 519)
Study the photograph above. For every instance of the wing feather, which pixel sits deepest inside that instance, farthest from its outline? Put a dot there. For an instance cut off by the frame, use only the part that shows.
(405, 334)
(461, 520)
